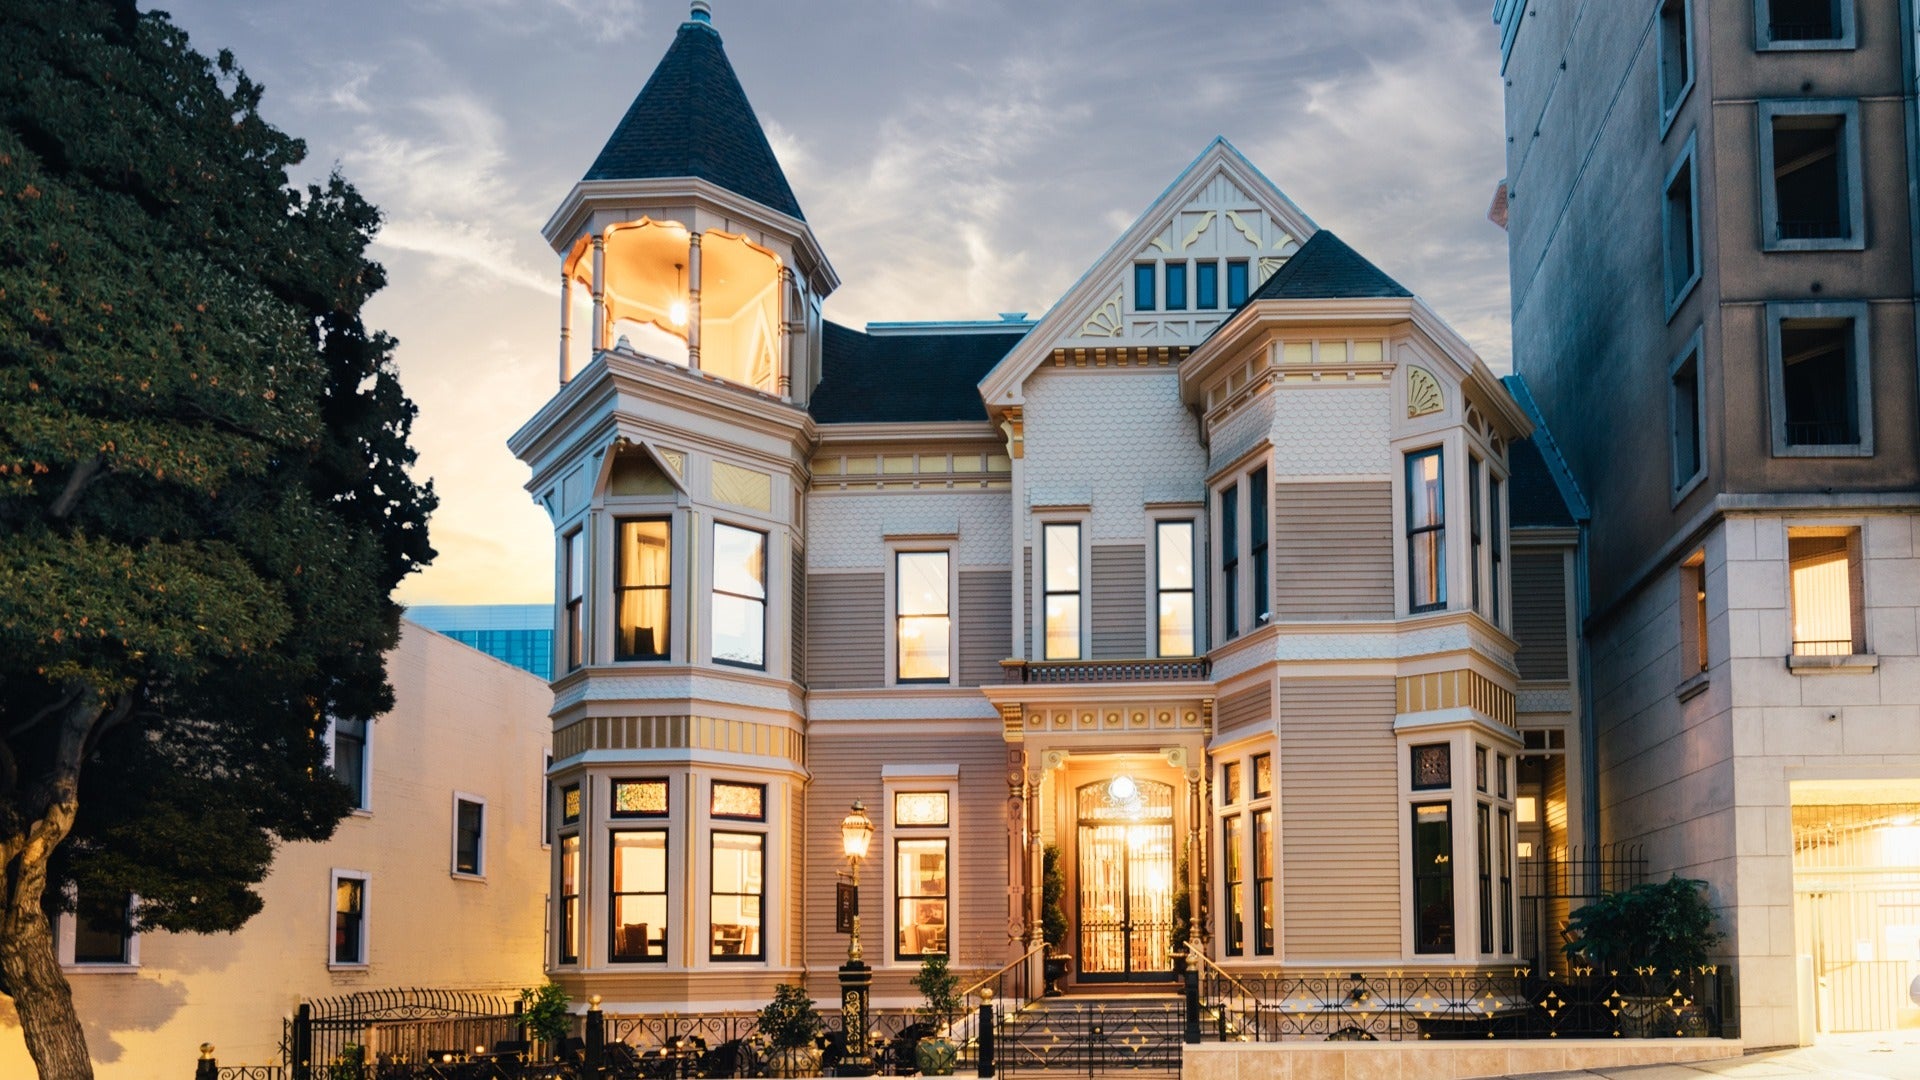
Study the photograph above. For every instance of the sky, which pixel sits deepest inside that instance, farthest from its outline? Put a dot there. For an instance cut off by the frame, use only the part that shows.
(956, 159)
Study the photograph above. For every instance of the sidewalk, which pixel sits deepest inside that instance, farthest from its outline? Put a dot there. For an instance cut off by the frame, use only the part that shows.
(1893, 1055)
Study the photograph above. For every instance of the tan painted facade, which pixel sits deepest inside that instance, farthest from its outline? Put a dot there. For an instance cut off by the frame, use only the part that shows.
(463, 723)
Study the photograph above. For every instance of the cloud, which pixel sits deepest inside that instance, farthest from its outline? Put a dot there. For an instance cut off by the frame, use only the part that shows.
(461, 249)
(607, 20)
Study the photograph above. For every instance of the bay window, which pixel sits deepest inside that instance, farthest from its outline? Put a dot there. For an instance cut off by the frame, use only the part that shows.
(1426, 532)
(1473, 525)
(1433, 878)
(570, 899)
(739, 609)
(1230, 560)
(1173, 563)
(643, 584)
(639, 896)
(1232, 842)
(739, 866)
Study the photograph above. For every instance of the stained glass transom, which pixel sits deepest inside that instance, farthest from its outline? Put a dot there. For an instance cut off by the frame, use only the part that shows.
(920, 808)
(570, 803)
(639, 798)
(1432, 766)
(744, 801)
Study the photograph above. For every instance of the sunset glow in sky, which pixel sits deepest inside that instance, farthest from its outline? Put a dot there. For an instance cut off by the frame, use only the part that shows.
(956, 159)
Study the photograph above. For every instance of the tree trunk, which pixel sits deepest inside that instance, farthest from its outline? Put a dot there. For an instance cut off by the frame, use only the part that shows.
(40, 991)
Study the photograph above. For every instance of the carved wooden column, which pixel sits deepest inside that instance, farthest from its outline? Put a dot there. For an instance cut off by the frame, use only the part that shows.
(789, 332)
(599, 293)
(566, 322)
(693, 301)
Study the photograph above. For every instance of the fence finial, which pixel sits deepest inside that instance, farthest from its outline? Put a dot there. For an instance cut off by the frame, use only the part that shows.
(206, 1051)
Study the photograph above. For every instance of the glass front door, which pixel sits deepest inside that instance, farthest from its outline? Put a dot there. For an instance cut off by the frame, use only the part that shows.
(1126, 869)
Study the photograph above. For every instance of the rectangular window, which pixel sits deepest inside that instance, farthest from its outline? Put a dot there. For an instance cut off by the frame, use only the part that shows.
(349, 919)
(1143, 287)
(1060, 558)
(1480, 769)
(1804, 24)
(1433, 878)
(576, 571)
(570, 899)
(738, 802)
(1173, 583)
(1229, 783)
(639, 896)
(639, 798)
(920, 898)
(1206, 285)
(1810, 197)
(1235, 877)
(1432, 766)
(469, 835)
(1176, 278)
(739, 596)
(1498, 528)
(350, 758)
(1230, 560)
(1819, 390)
(1676, 57)
(922, 623)
(1693, 615)
(1484, 866)
(1506, 879)
(103, 929)
(1829, 612)
(1236, 283)
(570, 804)
(1681, 230)
(1686, 412)
(920, 809)
(1426, 532)
(1473, 525)
(1262, 775)
(1263, 881)
(1257, 529)
(643, 586)
(739, 873)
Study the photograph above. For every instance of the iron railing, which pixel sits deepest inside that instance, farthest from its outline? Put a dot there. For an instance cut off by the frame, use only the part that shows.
(1823, 648)
(1106, 671)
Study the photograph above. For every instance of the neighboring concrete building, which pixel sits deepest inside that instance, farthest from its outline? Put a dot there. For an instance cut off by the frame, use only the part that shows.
(1712, 252)
(520, 634)
(438, 881)
(1214, 576)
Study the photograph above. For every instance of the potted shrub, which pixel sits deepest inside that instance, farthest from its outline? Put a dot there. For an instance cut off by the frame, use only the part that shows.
(543, 1010)
(1053, 916)
(1660, 934)
(1182, 913)
(790, 1026)
(939, 988)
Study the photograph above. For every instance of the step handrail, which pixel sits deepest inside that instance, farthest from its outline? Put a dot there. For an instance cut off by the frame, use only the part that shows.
(966, 1026)
(1194, 953)
(969, 991)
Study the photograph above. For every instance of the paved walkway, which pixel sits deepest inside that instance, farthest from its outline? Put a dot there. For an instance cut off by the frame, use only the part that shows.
(1880, 1056)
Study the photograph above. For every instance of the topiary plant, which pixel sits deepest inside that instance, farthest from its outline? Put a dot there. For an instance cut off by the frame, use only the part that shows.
(1053, 898)
(1665, 926)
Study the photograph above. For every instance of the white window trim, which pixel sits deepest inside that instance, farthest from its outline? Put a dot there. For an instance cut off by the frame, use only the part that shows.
(453, 859)
(896, 779)
(66, 929)
(647, 508)
(1245, 602)
(672, 823)
(563, 563)
(1192, 519)
(1859, 312)
(1853, 180)
(1688, 159)
(1683, 486)
(1763, 41)
(1248, 804)
(1863, 660)
(699, 892)
(1462, 798)
(366, 917)
(940, 544)
(366, 767)
(1039, 599)
(1670, 111)
(770, 632)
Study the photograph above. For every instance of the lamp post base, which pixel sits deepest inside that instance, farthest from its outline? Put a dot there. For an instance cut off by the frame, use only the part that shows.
(856, 981)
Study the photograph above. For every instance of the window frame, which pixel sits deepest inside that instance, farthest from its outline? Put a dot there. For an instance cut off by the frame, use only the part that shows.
(67, 934)
(1670, 110)
(566, 918)
(621, 588)
(1206, 285)
(912, 779)
(765, 600)
(1438, 452)
(941, 835)
(573, 579)
(1853, 536)
(1688, 359)
(1856, 310)
(1497, 518)
(1081, 592)
(1260, 544)
(1244, 270)
(479, 872)
(1696, 652)
(1148, 272)
(1161, 589)
(1233, 881)
(1851, 181)
(1452, 944)
(894, 638)
(1679, 288)
(1764, 41)
(1260, 833)
(365, 936)
(1170, 269)
(1228, 500)
(614, 894)
(363, 806)
(712, 894)
(1476, 530)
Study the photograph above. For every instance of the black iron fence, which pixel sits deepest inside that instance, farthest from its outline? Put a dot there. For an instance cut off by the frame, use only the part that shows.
(1560, 880)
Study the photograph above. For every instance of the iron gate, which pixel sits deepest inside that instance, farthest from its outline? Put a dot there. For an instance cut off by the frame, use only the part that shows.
(1856, 885)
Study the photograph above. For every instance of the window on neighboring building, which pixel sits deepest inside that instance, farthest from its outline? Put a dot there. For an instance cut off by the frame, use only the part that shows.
(1206, 285)
(1680, 218)
(1236, 283)
(349, 918)
(1060, 576)
(1143, 286)
(1176, 286)
(1829, 611)
(349, 756)
(638, 895)
(1804, 24)
(570, 899)
(1497, 527)
(1693, 615)
(102, 931)
(1263, 881)
(576, 571)
(1173, 562)
(469, 835)
(1676, 57)
(739, 596)
(1432, 878)
(920, 887)
(546, 800)
(643, 589)
(1258, 528)
(922, 620)
(1810, 159)
(1686, 413)
(1426, 532)
(1473, 525)
(1821, 396)
(738, 896)
(1233, 840)
(1230, 560)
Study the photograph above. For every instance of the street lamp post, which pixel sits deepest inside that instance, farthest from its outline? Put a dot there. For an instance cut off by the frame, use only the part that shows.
(856, 978)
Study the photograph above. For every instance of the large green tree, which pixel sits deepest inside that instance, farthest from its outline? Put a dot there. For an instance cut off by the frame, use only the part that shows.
(204, 497)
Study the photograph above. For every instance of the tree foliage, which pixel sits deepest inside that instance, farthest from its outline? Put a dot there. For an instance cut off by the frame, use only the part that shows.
(204, 497)
(1667, 926)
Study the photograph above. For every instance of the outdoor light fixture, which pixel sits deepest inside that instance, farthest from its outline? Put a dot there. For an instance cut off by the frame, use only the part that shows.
(856, 978)
(677, 313)
(856, 832)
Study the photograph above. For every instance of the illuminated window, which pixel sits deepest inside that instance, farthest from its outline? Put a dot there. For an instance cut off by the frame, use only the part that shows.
(739, 596)
(739, 865)
(1262, 775)
(570, 899)
(1173, 542)
(920, 809)
(920, 898)
(1829, 612)
(1426, 532)
(1233, 839)
(349, 919)
(1263, 881)
(644, 585)
(923, 622)
(740, 802)
(639, 798)
(1229, 783)
(639, 896)
(570, 804)
(1060, 569)
(1693, 615)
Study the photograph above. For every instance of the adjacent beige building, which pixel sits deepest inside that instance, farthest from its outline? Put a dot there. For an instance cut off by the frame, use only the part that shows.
(437, 881)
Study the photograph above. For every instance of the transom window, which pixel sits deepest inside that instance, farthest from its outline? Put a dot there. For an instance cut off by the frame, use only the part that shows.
(923, 620)
(1061, 585)
(740, 802)
(642, 590)
(640, 798)
(739, 596)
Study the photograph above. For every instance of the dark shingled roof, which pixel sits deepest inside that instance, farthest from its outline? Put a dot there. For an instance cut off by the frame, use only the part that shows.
(904, 378)
(1325, 268)
(1533, 498)
(692, 119)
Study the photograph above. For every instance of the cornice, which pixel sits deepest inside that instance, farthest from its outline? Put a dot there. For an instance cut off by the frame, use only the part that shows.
(909, 433)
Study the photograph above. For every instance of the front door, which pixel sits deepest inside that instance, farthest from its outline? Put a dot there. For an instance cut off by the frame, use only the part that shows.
(1126, 869)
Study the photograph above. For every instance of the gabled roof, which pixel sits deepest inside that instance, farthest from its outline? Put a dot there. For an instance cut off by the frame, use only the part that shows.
(1325, 268)
(692, 119)
(904, 377)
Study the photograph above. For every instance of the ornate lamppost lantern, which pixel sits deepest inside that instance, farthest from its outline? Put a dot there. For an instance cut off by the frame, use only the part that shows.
(856, 978)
